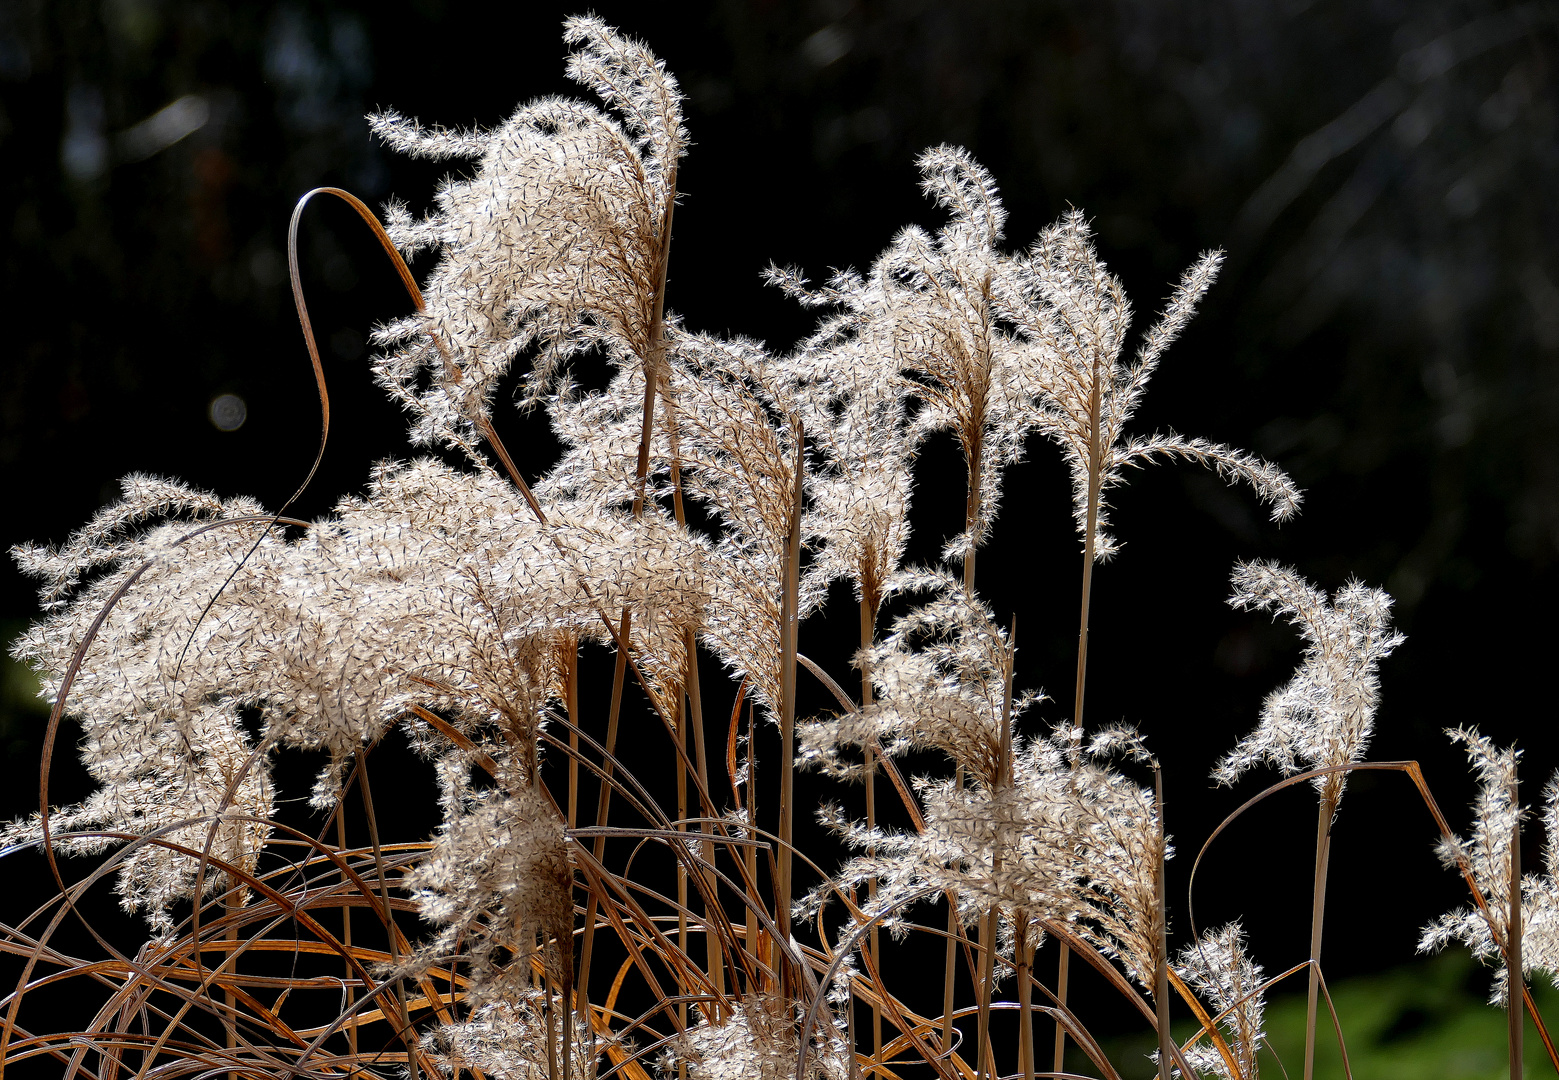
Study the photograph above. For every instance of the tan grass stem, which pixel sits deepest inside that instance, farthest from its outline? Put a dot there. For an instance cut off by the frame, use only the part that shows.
(1095, 452)
(788, 627)
(972, 503)
(681, 827)
(1023, 954)
(754, 903)
(346, 936)
(950, 958)
(1514, 972)
(641, 479)
(1161, 945)
(713, 956)
(1003, 780)
(565, 1018)
(571, 702)
(548, 1015)
(868, 635)
(229, 998)
(974, 444)
(603, 804)
(714, 965)
(403, 1018)
(986, 1065)
(1323, 854)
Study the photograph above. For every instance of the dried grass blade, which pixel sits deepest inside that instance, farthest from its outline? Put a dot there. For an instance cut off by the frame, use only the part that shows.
(1342, 1045)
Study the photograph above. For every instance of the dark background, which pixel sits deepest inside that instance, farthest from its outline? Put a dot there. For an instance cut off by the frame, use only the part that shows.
(1382, 174)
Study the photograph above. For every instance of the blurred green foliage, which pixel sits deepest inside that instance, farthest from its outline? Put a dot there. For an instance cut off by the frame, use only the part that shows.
(21, 709)
(1429, 1020)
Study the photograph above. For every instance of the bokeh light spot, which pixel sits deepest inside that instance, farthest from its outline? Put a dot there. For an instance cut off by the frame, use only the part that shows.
(227, 412)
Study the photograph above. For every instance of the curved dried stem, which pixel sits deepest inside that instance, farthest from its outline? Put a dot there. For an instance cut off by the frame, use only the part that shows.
(1414, 773)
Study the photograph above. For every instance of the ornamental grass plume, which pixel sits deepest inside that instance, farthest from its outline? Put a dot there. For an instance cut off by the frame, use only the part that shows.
(498, 874)
(999, 345)
(1217, 966)
(558, 242)
(1071, 304)
(513, 1037)
(1323, 717)
(1067, 840)
(1487, 854)
(756, 1041)
(708, 493)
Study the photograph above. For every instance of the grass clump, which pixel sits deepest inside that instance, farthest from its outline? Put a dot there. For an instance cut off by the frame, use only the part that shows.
(708, 494)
